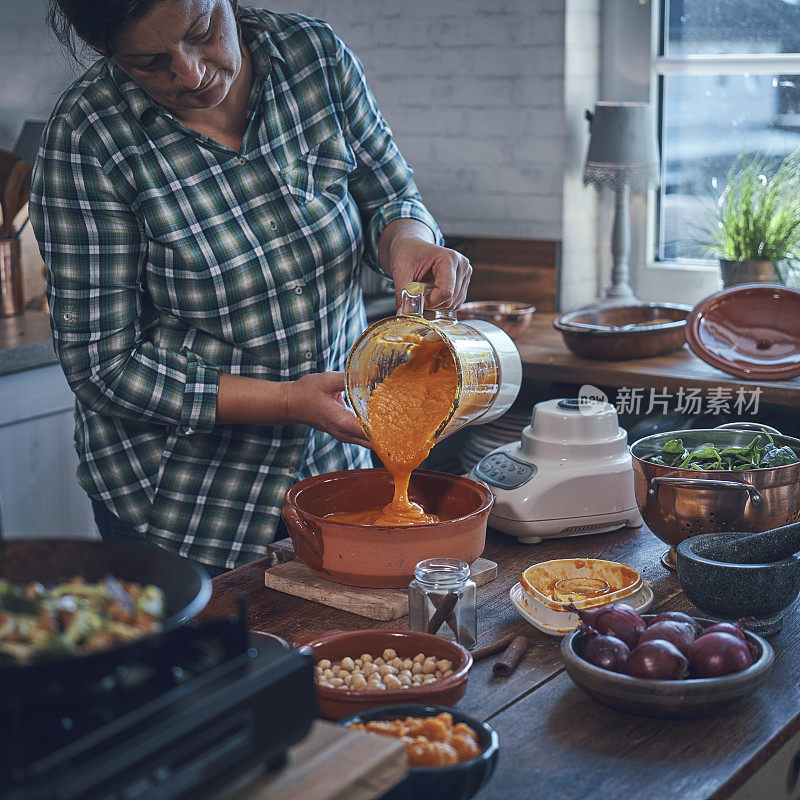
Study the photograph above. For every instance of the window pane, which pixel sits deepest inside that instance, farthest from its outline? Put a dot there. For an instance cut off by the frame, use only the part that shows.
(732, 26)
(708, 120)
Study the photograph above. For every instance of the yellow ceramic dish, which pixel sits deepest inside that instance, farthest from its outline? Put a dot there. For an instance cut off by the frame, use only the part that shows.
(539, 580)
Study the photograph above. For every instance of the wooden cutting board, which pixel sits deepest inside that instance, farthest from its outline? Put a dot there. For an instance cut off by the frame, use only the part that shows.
(295, 578)
(331, 763)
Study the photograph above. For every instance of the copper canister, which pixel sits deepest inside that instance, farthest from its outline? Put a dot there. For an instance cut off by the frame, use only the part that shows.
(11, 295)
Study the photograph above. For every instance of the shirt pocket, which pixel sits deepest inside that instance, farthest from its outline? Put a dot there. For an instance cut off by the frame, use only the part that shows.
(318, 169)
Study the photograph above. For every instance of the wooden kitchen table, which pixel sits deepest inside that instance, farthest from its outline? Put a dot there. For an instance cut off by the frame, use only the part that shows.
(555, 742)
(546, 357)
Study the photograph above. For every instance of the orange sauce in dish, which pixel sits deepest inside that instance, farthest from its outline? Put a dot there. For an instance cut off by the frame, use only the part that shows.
(403, 414)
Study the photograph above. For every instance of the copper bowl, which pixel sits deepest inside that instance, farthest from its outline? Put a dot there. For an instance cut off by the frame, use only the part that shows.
(678, 503)
(618, 333)
(509, 316)
(383, 556)
(339, 703)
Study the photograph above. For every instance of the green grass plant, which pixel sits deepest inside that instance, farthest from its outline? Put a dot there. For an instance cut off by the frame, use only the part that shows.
(758, 214)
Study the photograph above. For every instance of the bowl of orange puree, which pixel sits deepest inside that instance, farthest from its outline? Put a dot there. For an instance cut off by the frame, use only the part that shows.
(336, 527)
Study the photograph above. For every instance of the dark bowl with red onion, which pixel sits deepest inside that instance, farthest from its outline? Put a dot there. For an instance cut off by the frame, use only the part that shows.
(687, 697)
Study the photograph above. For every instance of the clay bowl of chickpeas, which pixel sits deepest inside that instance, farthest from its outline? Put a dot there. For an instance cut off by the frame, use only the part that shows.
(358, 670)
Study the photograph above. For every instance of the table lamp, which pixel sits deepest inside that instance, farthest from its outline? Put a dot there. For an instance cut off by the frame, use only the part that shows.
(622, 156)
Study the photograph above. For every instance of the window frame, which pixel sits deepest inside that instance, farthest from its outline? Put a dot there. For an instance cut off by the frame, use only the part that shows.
(678, 281)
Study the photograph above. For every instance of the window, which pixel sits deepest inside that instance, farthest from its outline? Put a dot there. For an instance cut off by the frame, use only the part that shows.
(728, 81)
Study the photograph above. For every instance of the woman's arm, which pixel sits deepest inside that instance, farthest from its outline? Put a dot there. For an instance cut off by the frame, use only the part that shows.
(400, 233)
(314, 400)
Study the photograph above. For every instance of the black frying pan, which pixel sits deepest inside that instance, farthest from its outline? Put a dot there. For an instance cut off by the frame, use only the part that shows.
(186, 588)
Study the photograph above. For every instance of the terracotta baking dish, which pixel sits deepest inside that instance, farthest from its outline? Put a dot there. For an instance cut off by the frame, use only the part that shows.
(750, 331)
(340, 703)
(383, 556)
(617, 333)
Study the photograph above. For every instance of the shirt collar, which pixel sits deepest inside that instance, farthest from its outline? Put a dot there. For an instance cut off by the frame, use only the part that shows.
(262, 50)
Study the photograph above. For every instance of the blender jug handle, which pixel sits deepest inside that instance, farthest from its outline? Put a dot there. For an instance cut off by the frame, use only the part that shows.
(412, 301)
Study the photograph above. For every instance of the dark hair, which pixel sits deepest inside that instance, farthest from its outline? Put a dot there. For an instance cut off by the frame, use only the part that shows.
(95, 23)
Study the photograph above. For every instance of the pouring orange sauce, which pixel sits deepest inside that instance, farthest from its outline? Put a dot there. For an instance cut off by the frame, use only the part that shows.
(404, 412)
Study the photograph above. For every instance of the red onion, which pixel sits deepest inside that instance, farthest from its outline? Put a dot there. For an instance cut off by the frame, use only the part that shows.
(606, 652)
(616, 619)
(681, 634)
(718, 653)
(733, 628)
(657, 660)
(676, 616)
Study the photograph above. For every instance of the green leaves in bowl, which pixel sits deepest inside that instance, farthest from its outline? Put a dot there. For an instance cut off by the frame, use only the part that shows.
(761, 453)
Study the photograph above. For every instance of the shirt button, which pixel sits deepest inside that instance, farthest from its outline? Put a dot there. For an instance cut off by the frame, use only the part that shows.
(309, 355)
(241, 161)
(273, 225)
(298, 290)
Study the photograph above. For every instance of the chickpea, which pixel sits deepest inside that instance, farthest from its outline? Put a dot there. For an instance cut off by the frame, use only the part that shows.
(385, 670)
(324, 663)
(444, 665)
(419, 657)
(326, 684)
(391, 682)
(408, 663)
(366, 658)
(416, 669)
(317, 669)
(328, 674)
(405, 680)
(370, 669)
(404, 672)
(337, 682)
(389, 654)
(438, 674)
(447, 673)
(416, 679)
(378, 662)
(397, 663)
(347, 663)
(358, 662)
(429, 667)
(429, 679)
(358, 683)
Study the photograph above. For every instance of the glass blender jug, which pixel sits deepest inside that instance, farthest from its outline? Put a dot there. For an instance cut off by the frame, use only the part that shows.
(488, 366)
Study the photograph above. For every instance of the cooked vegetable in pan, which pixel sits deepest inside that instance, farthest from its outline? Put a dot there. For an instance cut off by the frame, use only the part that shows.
(74, 618)
(761, 453)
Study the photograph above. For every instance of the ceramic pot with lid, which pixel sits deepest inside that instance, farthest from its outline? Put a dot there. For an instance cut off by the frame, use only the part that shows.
(488, 366)
(679, 503)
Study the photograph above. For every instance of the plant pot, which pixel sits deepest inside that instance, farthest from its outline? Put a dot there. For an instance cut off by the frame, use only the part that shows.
(735, 272)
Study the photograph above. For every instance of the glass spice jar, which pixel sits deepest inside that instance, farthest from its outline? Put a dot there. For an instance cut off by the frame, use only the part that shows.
(442, 600)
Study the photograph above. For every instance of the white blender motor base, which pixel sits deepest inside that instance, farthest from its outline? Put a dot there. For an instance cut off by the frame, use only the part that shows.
(535, 531)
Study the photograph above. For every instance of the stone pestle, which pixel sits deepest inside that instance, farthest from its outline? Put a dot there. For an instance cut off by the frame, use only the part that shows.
(758, 548)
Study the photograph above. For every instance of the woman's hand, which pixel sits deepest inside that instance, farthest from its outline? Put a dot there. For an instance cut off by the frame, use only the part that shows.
(407, 250)
(317, 400)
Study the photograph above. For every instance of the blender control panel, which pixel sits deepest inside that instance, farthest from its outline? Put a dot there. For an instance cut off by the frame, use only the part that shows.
(499, 469)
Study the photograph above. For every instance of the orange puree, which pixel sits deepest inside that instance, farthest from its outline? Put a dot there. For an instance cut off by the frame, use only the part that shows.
(403, 413)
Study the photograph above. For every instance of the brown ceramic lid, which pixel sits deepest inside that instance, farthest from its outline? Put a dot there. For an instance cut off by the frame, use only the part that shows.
(750, 331)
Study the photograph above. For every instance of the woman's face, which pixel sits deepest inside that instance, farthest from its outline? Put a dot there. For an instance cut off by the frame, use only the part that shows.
(184, 53)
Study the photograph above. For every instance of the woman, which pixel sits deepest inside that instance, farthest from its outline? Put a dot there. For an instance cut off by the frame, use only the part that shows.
(204, 198)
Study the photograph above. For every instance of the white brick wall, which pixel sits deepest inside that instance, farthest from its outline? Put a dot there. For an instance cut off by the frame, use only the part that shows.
(485, 100)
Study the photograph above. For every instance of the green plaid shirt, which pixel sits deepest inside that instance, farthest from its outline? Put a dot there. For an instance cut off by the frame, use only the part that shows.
(172, 258)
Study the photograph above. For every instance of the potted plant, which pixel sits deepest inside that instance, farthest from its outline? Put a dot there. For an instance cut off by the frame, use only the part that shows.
(756, 232)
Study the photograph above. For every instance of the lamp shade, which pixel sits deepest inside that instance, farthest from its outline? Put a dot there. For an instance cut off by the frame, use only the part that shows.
(622, 146)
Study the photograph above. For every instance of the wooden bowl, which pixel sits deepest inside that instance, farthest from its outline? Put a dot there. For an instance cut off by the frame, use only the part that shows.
(509, 316)
(692, 697)
(339, 703)
(455, 781)
(383, 556)
(619, 333)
